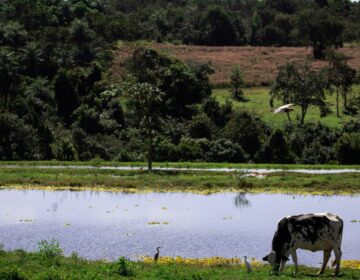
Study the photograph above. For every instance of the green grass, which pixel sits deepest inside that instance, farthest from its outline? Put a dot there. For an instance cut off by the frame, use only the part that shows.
(258, 102)
(28, 266)
(189, 181)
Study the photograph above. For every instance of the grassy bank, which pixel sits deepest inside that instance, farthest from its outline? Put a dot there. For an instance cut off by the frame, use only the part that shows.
(27, 266)
(189, 181)
(97, 163)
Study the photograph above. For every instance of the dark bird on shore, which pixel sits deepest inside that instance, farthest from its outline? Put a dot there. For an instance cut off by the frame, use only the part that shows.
(156, 256)
(247, 264)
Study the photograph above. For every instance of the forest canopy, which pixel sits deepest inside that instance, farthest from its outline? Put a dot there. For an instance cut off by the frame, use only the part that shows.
(58, 101)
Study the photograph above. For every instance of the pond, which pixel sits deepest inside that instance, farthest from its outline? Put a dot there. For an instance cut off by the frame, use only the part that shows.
(106, 225)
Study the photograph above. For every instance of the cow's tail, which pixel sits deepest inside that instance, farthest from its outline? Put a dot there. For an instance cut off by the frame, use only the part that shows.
(333, 263)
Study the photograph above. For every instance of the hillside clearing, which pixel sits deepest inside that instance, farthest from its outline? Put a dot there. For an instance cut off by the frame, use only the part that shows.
(259, 64)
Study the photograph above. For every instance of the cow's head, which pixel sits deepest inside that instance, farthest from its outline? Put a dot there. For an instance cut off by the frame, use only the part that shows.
(274, 260)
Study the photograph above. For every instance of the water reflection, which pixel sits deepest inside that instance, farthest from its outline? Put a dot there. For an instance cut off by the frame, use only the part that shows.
(241, 201)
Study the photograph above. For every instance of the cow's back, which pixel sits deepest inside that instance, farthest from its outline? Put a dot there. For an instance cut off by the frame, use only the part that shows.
(316, 231)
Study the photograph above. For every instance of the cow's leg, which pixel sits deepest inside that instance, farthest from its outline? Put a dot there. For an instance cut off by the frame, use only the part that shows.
(282, 265)
(294, 257)
(283, 262)
(337, 251)
(327, 254)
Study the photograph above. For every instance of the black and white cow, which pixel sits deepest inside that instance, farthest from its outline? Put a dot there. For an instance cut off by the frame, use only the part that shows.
(314, 232)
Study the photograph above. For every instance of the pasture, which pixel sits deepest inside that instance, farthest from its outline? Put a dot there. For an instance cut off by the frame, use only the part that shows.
(257, 102)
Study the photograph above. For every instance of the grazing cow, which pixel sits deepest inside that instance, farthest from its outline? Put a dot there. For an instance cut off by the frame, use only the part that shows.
(314, 232)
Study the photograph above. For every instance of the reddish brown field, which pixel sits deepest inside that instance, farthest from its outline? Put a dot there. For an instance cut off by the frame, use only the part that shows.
(259, 64)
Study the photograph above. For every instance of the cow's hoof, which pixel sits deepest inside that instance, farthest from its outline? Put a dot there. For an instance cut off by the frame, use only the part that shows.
(335, 274)
(320, 272)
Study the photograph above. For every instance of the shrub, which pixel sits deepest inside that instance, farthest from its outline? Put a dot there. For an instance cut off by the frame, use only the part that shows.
(316, 153)
(165, 150)
(275, 150)
(17, 139)
(247, 130)
(347, 148)
(10, 273)
(224, 150)
(188, 149)
(242, 181)
(201, 127)
(219, 114)
(49, 250)
(122, 267)
(50, 275)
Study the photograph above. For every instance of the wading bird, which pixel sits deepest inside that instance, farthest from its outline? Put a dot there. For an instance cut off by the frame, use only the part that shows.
(247, 264)
(156, 256)
(284, 109)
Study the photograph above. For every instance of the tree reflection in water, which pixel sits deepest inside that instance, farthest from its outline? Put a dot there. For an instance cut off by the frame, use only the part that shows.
(241, 201)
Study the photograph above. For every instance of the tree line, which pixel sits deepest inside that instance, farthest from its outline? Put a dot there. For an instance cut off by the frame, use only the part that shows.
(315, 23)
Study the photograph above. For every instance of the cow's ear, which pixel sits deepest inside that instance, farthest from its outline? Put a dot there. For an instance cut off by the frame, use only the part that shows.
(266, 258)
(283, 258)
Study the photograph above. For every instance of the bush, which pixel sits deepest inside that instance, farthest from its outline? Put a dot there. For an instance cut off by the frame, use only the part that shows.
(164, 150)
(347, 148)
(50, 275)
(242, 181)
(10, 273)
(246, 130)
(18, 141)
(188, 149)
(201, 127)
(49, 251)
(223, 150)
(122, 267)
(316, 153)
(219, 114)
(275, 150)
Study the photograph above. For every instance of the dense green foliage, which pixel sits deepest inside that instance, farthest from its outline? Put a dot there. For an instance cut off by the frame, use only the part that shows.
(231, 22)
(59, 101)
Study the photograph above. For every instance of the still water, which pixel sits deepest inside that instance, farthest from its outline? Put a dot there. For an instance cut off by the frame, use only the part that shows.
(106, 225)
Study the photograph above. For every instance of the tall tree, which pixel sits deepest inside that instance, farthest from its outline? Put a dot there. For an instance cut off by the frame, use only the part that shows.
(341, 77)
(320, 30)
(218, 28)
(236, 82)
(301, 85)
(145, 99)
(283, 86)
(9, 75)
(66, 96)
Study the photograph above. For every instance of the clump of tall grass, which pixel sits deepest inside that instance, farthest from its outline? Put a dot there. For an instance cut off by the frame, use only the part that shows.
(122, 267)
(242, 181)
(49, 251)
